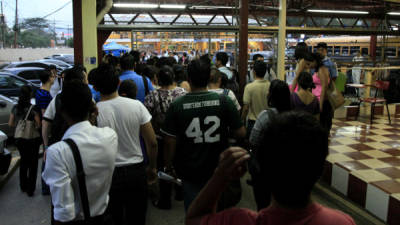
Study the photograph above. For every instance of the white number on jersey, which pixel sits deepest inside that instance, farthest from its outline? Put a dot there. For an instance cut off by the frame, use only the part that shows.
(194, 130)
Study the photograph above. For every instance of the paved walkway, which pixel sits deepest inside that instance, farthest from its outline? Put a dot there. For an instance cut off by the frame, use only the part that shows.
(16, 208)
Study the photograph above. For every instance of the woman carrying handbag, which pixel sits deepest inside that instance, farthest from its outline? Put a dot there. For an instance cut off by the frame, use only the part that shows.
(27, 139)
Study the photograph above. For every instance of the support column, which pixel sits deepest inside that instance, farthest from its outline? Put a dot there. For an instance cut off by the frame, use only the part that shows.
(243, 43)
(373, 42)
(85, 33)
(282, 39)
(102, 36)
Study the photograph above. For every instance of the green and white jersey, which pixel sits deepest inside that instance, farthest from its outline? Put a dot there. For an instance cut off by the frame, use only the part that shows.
(201, 123)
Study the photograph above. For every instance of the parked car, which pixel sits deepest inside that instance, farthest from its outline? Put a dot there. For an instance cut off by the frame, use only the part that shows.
(44, 65)
(58, 62)
(10, 84)
(68, 58)
(6, 104)
(31, 74)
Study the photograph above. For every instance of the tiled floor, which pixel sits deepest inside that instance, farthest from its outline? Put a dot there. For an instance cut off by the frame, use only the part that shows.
(364, 164)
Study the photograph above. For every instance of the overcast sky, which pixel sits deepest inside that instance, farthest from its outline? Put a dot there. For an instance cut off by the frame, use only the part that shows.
(39, 8)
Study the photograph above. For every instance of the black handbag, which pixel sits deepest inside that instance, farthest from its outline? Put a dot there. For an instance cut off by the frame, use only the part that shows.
(80, 173)
(5, 160)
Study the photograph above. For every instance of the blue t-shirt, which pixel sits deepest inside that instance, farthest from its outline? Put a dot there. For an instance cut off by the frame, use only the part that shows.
(95, 94)
(43, 98)
(126, 75)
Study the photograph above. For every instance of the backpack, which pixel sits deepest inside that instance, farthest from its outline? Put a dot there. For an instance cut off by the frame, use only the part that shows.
(233, 82)
(59, 125)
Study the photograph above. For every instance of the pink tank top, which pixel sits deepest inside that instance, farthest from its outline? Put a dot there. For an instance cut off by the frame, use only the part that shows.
(318, 87)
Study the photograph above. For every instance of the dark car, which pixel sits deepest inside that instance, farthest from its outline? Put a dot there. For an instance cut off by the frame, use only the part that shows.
(31, 74)
(44, 65)
(10, 84)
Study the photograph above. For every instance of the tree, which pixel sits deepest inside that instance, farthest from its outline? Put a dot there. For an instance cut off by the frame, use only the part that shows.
(70, 42)
(34, 23)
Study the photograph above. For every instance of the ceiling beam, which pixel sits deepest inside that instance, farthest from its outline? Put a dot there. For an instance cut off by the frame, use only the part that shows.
(252, 29)
(154, 19)
(112, 18)
(134, 18)
(255, 11)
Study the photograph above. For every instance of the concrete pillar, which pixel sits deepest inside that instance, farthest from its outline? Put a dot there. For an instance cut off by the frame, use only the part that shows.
(243, 43)
(373, 42)
(281, 40)
(85, 33)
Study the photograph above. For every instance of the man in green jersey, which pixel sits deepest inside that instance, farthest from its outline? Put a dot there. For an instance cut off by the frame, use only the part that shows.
(196, 128)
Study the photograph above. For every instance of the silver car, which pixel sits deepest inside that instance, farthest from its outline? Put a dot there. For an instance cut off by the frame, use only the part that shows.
(6, 104)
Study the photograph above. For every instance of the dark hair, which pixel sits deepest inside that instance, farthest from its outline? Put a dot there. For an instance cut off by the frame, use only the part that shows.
(127, 62)
(180, 73)
(305, 81)
(149, 71)
(322, 45)
(136, 56)
(74, 73)
(302, 157)
(52, 67)
(24, 99)
(92, 76)
(301, 49)
(256, 56)
(171, 61)
(45, 76)
(76, 100)
(279, 96)
(222, 57)
(139, 69)
(215, 75)
(199, 72)
(107, 79)
(165, 76)
(164, 61)
(311, 57)
(128, 89)
(260, 68)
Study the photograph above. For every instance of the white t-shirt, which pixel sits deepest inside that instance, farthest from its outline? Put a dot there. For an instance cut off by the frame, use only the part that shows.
(231, 95)
(50, 112)
(125, 116)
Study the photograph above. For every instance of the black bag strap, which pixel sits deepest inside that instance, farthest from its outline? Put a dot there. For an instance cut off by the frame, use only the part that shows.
(160, 102)
(146, 86)
(81, 178)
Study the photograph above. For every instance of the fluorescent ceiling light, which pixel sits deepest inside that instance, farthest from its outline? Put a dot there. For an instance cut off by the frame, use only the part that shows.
(211, 7)
(173, 6)
(336, 11)
(394, 13)
(133, 5)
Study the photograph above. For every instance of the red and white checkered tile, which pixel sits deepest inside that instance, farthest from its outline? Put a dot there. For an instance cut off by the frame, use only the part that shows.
(364, 165)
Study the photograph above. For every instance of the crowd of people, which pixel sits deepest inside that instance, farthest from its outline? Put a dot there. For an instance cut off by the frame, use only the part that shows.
(131, 117)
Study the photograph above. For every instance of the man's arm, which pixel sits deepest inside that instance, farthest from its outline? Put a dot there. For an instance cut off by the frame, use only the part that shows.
(231, 166)
(45, 132)
(57, 177)
(245, 111)
(169, 150)
(147, 132)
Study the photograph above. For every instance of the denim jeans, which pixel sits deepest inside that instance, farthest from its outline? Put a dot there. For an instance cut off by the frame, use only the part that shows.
(128, 195)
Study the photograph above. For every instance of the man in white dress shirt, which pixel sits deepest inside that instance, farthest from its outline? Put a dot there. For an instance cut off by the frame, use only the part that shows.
(130, 119)
(98, 149)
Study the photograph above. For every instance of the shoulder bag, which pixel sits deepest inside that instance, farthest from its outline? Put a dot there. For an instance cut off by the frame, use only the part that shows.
(26, 129)
(80, 173)
(335, 98)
